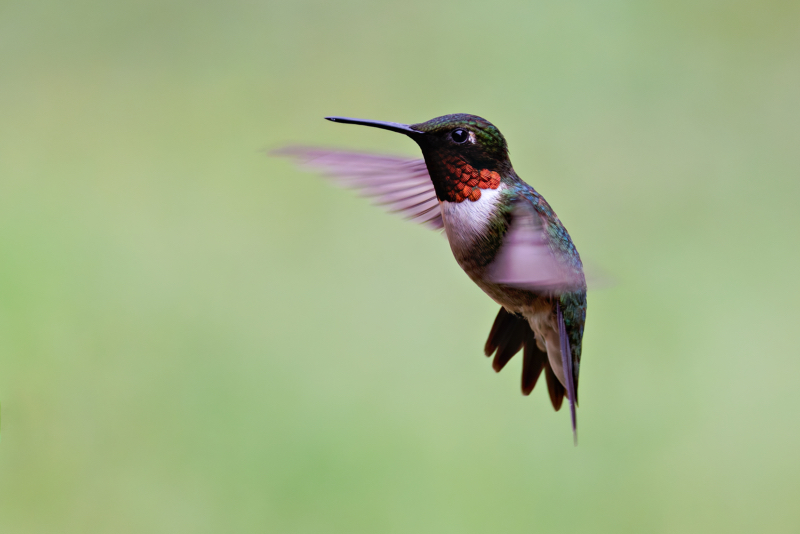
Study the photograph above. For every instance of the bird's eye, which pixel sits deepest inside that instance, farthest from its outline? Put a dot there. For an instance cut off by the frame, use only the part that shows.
(459, 136)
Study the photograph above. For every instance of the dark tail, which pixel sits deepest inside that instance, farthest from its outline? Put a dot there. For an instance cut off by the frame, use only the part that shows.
(510, 333)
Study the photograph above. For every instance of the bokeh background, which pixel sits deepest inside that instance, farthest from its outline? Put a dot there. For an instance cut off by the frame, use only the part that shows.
(196, 337)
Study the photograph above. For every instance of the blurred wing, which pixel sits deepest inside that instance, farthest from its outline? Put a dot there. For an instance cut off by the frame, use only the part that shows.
(598, 278)
(400, 185)
(526, 259)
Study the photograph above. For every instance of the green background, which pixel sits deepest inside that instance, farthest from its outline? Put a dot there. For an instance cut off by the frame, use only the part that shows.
(196, 337)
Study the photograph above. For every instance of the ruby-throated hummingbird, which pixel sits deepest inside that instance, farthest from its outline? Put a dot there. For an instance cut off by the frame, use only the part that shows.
(503, 234)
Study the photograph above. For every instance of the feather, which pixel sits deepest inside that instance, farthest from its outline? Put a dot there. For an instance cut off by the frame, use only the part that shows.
(554, 387)
(511, 344)
(533, 361)
(506, 337)
(511, 332)
(400, 185)
(566, 358)
(503, 321)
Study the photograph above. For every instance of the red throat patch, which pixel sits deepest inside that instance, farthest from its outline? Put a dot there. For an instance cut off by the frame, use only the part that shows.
(464, 182)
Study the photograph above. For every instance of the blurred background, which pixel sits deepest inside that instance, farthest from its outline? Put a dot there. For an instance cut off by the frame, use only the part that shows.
(196, 337)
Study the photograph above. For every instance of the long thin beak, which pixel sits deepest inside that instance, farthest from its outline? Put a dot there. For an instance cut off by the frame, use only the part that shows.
(391, 126)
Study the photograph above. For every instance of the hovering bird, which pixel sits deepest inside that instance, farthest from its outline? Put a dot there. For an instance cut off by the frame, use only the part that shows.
(503, 234)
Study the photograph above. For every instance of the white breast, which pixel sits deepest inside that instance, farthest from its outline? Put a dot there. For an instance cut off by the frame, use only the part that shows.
(464, 221)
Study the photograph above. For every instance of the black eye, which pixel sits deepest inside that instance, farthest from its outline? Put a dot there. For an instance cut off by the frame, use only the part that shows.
(459, 136)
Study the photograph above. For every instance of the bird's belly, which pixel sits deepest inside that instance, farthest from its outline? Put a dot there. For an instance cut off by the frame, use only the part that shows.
(475, 245)
(467, 225)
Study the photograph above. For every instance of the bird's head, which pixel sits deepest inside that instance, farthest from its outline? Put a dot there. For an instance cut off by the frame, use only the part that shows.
(464, 153)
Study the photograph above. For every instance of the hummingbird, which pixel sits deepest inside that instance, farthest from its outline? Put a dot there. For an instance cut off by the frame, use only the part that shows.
(502, 232)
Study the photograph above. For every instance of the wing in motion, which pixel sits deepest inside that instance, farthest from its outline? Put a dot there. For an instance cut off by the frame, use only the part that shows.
(526, 259)
(400, 185)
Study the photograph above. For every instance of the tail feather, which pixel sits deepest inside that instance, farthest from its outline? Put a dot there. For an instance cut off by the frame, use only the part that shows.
(554, 387)
(533, 361)
(503, 323)
(506, 337)
(510, 333)
(512, 343)
(569, 374)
